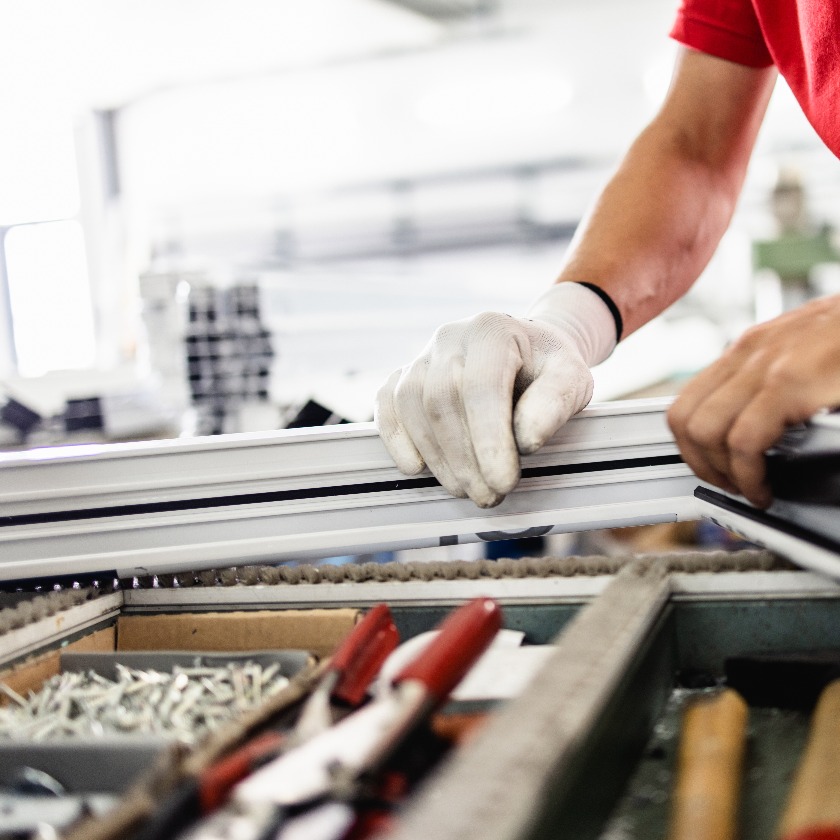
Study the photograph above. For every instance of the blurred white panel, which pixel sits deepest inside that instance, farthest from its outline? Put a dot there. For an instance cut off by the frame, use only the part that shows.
(348, 325)
(102, 53)
(37, 164)
(570, 81)
(474, 100)
(50, 297)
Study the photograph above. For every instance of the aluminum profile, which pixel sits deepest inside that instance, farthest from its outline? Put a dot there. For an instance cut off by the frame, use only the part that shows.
(168, 506)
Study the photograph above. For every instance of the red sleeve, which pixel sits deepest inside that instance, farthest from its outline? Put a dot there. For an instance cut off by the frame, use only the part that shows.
(726, 29)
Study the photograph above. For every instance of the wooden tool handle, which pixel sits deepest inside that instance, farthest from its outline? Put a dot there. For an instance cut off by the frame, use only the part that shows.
(813, 805)
(710, 764)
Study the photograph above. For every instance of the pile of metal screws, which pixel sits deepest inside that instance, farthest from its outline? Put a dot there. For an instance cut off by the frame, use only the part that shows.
(182, 705)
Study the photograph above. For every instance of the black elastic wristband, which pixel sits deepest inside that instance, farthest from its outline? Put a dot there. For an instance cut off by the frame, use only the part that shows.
(619, 321)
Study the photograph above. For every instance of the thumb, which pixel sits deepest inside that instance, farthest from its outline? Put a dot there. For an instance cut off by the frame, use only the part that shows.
(560, 390)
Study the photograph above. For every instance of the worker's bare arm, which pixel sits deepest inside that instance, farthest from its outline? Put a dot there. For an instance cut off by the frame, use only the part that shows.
(660, 218)
(488, 388)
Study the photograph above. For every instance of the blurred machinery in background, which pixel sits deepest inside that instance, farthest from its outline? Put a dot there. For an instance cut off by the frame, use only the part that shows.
(800, 245)
(228, 352)
(209, 346)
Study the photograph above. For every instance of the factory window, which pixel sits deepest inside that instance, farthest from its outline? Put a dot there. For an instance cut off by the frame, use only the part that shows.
(50, 298)
(42, 249)
(38, 167)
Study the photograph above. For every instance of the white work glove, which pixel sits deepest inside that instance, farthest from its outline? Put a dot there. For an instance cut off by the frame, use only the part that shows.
(490, 387)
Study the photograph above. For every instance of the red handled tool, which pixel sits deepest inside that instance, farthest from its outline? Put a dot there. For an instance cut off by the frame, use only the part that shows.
(343, 686)
(349, 673)
(334, 762)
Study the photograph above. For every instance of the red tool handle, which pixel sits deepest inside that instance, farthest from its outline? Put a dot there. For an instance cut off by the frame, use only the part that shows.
(821, 833)
(360, 656)
(216, 782)
(463, 637)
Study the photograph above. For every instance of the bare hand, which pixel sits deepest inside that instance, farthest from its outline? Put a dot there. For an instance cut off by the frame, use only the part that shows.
(777, 374)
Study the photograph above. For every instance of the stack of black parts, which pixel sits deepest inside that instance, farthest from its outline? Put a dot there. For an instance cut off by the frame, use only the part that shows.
(229, 352)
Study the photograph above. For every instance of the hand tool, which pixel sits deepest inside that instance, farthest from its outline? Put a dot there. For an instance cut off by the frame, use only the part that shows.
(336, 763)
(812, 811)
(711, 757)
(349, 673)
(343, 686)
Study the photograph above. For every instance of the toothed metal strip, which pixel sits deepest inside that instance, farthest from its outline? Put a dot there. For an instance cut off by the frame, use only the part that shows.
(536, 580)
(69, 612)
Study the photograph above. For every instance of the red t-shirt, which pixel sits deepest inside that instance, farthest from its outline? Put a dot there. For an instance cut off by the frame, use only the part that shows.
(801, 37)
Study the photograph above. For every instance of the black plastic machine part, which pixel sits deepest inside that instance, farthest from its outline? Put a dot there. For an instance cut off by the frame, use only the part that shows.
(805, 465)
(18, 415)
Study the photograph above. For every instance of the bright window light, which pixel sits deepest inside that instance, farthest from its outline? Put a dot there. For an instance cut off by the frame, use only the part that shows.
(50, 297)
(37, 167)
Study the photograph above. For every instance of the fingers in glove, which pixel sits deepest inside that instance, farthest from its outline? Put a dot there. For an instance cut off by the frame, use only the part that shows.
(447, 403)
(394, 436)
(407, 434)
(559, 390)
(423, 435)
(494, 360)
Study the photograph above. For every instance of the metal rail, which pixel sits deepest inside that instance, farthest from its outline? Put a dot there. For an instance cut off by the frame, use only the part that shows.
(806, 533)
(166, 506)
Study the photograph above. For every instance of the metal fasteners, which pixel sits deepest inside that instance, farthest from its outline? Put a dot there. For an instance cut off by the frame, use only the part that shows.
(183, 704)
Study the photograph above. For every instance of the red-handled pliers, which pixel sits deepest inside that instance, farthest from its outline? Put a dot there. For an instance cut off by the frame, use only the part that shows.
(332, 762)
(349, 673)
(318, 781)
(342, 688)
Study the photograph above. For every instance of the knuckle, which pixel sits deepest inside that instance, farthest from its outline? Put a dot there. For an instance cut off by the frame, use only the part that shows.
(751, 339)
(405, 386)
(677, 418)
(448, 334)
(494, 325)
(489, 319)
(702, 431)
(742, 442)
(783, 375)
(456, 333)
(386, 390)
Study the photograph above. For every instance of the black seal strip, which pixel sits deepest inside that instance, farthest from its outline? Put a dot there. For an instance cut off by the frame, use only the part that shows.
(312, 493)
(792, 529)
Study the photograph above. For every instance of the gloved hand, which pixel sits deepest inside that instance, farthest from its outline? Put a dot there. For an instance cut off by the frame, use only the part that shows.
(490, 387)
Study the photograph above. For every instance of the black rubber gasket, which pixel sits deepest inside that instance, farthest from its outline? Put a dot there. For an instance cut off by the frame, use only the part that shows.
(75, 515)
(792, 529)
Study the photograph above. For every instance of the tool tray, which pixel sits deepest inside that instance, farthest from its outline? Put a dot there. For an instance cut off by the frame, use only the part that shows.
(583, 750)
